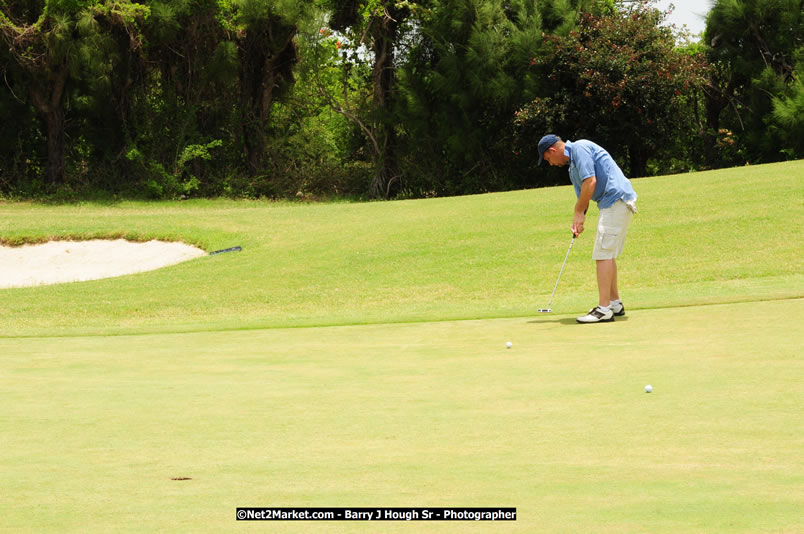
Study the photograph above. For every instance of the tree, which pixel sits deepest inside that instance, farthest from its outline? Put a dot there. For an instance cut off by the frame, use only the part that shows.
(788, 119)
(40, 43)
(620, 80)
(172, 108)
(52, 43)
(470, 67)
(264, 33)
(754, 45)
(380, 25)
(210, 76)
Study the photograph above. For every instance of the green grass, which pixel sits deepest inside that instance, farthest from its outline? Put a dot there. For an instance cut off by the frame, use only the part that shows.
(722, 236)
(426, 414)
(325, 365)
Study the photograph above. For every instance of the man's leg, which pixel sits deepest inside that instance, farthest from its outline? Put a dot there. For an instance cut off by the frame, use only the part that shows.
(607, 281)
(609, 243)
(606, 273)
(615, 293)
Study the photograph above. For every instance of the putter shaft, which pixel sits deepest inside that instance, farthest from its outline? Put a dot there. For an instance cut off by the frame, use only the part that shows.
(549, 309)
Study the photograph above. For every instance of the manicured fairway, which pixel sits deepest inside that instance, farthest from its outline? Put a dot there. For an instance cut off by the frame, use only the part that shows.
(427, 414)
(720, 236)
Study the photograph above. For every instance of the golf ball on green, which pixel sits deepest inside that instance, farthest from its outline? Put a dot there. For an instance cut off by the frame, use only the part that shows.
(648, 388)
(509, 345)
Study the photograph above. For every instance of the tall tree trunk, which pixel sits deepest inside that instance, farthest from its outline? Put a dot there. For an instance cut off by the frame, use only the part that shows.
(49, 102)
(717, 98)
(713, 108)
(55, 145)
(263, 73)
(386, 175)
(251, 104)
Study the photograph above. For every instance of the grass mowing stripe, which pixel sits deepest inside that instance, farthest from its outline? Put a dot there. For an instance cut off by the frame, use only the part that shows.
(223, 328)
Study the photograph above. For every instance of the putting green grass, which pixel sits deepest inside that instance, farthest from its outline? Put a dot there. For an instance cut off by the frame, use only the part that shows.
(425, 415)
(353, 355)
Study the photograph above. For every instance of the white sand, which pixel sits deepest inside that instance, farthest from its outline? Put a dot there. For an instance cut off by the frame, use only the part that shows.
(75, 261)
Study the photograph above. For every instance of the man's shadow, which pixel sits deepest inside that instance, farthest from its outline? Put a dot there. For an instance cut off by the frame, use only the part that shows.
(569, 320)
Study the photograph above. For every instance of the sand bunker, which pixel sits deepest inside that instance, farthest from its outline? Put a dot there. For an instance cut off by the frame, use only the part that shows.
(58, 262)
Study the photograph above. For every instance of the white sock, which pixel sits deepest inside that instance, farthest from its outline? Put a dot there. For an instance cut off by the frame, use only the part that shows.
(605, 308)
(614, 302)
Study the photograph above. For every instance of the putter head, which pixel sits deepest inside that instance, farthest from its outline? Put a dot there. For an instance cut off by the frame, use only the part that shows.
(545, 310)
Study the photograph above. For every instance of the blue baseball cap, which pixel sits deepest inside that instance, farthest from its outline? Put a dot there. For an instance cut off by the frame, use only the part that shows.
(546, 142)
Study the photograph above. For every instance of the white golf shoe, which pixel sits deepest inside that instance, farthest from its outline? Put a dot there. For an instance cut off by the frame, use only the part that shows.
(597, 315)
(618, 309)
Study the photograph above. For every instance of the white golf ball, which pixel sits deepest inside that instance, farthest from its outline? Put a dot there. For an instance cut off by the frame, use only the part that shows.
(648, 388)
(509, 345)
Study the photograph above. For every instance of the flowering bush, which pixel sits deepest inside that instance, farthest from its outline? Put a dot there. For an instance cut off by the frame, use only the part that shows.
(620, 80)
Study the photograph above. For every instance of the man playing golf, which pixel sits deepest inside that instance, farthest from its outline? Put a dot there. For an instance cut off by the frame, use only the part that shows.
(597, 177)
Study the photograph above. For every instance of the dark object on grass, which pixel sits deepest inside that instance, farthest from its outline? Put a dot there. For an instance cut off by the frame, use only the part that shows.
(232, 249)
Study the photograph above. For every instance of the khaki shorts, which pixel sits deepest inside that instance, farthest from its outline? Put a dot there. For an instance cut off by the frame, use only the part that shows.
(612, 225)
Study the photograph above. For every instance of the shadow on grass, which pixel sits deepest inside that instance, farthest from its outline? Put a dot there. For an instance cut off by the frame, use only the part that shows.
(569, 320)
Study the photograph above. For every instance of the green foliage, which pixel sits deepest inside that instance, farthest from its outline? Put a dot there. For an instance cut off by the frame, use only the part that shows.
(192, 152)
(788, 117)
(469, 69)
(164, 98)
(755, 46)
(374, 33)
(65, 61)
(158, 183)
(620, 80)
(56, 7)
(318, 148)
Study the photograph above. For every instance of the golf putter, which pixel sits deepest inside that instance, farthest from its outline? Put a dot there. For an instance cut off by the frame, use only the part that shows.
(548, 309)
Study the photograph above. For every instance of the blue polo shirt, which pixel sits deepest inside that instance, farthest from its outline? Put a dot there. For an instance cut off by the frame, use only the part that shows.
(589, 159)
